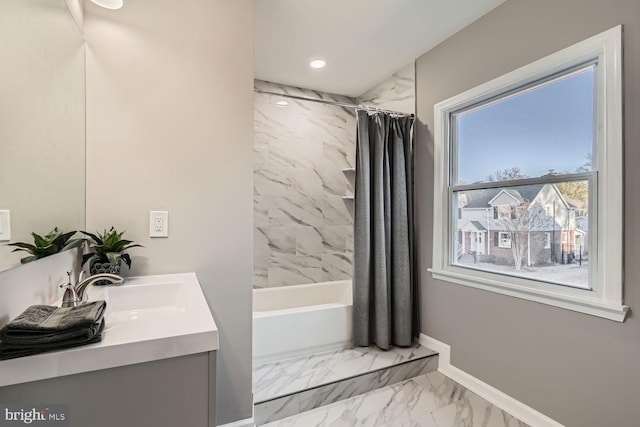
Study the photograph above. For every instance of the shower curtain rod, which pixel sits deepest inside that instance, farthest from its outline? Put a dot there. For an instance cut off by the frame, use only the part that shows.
(338, 103)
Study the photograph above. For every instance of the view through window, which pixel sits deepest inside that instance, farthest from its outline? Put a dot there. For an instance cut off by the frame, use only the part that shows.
(520, 181)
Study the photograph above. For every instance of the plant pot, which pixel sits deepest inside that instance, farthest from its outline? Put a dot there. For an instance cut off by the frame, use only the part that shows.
(105, 267)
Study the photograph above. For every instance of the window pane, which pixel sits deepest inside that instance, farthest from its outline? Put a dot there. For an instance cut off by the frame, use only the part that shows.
(536, 231)
(547, 129)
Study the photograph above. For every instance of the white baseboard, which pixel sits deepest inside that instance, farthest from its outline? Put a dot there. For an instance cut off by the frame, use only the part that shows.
(491, 394)
(247, 422)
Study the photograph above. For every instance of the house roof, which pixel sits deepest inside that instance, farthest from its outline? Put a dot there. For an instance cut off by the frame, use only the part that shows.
(481, 198)
(473, 226)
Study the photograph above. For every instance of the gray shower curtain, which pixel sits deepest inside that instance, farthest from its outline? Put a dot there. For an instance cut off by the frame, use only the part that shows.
(385, 311)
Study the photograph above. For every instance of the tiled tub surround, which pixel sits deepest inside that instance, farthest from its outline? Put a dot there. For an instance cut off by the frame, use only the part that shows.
(317, 317)
(303, 230)
(430, 400)
(397, 93)
(285, 388)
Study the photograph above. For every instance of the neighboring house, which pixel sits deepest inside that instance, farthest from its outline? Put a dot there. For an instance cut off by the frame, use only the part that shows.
(582, 228)
(533, 223)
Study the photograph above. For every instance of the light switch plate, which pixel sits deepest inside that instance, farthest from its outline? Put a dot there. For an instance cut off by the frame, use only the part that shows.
(5, 226)
(158, 224)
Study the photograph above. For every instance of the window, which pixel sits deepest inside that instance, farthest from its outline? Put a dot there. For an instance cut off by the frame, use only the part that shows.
(503, 211)
(531, 123)
(504, 240)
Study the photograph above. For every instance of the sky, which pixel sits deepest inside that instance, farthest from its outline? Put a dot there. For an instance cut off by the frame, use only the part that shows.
(550, 127)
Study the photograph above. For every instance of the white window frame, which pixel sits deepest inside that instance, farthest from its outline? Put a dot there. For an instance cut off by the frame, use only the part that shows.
(605, 298)
(547, 240)
(506, 239)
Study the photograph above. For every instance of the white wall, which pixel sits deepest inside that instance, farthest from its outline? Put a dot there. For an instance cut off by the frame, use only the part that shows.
(42, 126)
(169, 127)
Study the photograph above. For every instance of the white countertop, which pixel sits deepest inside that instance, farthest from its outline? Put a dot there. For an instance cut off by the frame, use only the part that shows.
(147, 318)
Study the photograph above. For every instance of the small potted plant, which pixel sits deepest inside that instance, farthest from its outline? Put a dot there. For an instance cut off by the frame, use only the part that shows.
(107, 251)
(51, 243)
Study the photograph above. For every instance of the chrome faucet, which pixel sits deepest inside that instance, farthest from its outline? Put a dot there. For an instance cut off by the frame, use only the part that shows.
(75, 295)
(81, 286)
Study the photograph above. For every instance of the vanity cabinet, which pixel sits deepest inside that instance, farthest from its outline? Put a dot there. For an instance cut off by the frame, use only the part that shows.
(179, 391)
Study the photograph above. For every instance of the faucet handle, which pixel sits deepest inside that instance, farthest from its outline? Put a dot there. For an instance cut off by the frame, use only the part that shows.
(68, 282)
(70, 298)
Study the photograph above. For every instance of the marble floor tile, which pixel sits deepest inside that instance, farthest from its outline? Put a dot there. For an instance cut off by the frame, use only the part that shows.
(418, 402)
(473, 411)
(276, 409)
(353, 386)
(277, 379)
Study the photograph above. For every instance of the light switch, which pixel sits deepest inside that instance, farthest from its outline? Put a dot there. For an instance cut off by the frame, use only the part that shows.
(159, 224)
(5, 226)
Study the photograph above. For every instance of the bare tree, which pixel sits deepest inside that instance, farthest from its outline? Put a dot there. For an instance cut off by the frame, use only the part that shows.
(587, 165)
(523, 219)
(507, 174)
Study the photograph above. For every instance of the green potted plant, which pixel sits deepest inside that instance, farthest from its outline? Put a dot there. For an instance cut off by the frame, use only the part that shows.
(49, 244)
(107, 251)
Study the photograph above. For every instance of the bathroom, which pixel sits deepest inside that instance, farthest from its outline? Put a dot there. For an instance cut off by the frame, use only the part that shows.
(168, 125)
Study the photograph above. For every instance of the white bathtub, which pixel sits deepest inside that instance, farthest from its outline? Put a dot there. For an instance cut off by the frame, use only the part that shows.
(292, 321)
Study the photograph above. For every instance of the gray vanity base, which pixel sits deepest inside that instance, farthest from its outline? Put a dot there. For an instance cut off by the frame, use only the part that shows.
(164, 393)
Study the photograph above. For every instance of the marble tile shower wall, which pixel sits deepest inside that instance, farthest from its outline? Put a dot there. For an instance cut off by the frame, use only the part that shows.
(397, 93)
(303, 228)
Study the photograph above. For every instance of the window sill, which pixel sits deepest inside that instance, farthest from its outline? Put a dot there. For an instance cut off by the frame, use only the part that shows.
(589, 305)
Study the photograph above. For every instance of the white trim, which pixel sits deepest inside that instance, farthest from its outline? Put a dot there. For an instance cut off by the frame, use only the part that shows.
(500, 245)
(491, 394)
(247, 422)
(554, 296)
(490, 203)
(605, 299)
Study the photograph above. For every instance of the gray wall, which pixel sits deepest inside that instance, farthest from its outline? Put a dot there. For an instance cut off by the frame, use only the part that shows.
(578, 369)
(169, 127)
(303, 227)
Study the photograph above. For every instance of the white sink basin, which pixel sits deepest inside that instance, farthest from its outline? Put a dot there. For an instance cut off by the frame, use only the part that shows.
(147, 318)
(140, 297)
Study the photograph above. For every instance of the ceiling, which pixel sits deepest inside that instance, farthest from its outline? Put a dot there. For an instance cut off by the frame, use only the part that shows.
(363, 41)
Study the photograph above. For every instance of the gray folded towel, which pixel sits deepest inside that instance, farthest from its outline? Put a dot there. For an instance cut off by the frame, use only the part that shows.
(44, 328)
(11, 351)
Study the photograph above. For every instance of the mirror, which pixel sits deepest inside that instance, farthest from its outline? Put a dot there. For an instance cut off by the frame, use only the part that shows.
(42, 122)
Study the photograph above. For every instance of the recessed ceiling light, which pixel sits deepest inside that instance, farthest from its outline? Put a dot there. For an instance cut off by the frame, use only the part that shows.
(109, 4)
(282, 103)
(318, 63)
